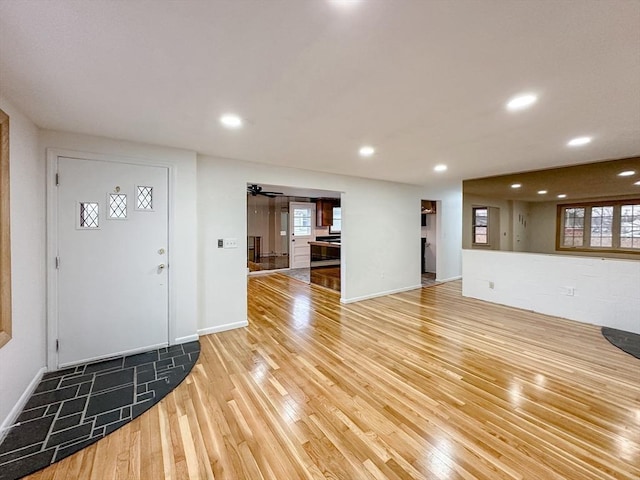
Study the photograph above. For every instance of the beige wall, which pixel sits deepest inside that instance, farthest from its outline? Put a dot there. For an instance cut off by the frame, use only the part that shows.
(524, 226)
(542, 236)
(521, 226)
(542, 222)
(501, 238)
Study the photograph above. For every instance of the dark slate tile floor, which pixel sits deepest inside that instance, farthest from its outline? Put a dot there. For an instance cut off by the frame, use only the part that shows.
(625, 341)
(73, 408)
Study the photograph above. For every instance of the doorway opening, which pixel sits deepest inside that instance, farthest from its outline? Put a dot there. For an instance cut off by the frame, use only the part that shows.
(267, 232)
(428, 241)
(294, 231)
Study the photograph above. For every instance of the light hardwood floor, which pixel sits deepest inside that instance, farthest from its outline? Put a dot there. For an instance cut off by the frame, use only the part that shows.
(425, 384)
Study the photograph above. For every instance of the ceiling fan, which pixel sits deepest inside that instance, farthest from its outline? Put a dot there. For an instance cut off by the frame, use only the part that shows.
(257, 190)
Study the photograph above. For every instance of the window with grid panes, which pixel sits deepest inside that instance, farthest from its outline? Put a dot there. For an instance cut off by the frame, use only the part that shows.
(480, 228)
(600, 226)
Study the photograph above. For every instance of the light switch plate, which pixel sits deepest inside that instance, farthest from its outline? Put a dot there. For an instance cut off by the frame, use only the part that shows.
(230, 243)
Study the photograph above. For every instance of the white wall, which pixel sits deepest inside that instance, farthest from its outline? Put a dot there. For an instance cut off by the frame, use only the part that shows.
(183, 222)
(209, 206)
(449, 230)
(605, 289)
(23, 358)
(380, 234)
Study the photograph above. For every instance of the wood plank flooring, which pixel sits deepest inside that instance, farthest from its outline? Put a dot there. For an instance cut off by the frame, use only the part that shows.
(420, 385)
(328, 277)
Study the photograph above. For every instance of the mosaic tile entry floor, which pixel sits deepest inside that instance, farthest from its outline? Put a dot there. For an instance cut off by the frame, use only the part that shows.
(75, 407)
(628, 342)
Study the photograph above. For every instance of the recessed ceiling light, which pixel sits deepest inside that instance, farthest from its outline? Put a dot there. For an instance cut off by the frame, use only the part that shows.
(367, 151)
(440, 168)
(579, 141)
(231, 120)
(637, 183)
(562, 195)
(541, 192)
(516, 185)
(522, 101)
(345, 3)
(627, 173)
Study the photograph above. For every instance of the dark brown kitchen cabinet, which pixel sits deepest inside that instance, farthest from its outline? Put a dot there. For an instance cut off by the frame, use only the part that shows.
(324, 211)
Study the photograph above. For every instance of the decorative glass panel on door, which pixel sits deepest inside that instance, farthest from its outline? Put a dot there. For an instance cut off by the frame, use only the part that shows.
(144, 198)
(89, 214)
(117, 206)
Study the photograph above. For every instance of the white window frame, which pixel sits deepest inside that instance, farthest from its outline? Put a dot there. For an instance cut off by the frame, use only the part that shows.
(586, 242)
(473, 226)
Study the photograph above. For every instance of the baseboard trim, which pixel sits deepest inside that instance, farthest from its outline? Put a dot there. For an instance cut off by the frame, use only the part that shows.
(222, 328)
(9, 422)
(187, 339)
(450, 279)
(380, 294)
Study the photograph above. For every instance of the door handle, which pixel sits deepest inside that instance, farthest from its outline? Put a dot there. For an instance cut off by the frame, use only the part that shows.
(161, 266)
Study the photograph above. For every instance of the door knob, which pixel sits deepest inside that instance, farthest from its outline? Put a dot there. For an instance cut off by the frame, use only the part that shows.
(161, 266)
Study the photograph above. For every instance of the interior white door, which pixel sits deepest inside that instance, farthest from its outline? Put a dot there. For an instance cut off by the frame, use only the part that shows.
(112, 276)
(302, 216)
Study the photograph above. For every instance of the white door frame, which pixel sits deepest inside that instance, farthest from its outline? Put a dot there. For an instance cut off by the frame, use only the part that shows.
(52, 240)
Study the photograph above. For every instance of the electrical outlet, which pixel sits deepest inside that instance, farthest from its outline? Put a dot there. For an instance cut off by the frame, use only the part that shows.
(230, 243)
(492, 285)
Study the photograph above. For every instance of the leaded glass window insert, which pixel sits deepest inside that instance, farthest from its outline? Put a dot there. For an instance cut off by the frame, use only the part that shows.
(89, 213)
(144, 198)
(117, 206)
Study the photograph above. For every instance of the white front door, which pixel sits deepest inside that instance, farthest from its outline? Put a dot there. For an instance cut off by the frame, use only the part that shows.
(303, 218)
(112, 282)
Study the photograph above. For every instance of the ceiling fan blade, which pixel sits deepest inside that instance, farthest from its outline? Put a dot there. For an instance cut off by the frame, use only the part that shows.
(254, 190)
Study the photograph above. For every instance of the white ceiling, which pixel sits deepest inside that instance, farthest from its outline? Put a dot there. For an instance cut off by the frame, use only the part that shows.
(425, 82)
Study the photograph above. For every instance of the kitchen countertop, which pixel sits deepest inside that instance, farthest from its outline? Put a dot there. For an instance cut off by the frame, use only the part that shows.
(326, 244)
